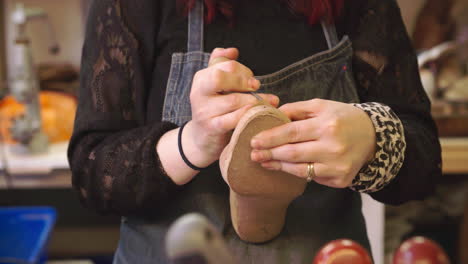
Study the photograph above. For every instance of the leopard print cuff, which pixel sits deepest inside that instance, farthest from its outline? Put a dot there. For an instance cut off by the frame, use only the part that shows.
(390, 149)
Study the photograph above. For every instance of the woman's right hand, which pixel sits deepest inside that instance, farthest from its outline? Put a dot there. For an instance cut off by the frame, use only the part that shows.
(218, 104)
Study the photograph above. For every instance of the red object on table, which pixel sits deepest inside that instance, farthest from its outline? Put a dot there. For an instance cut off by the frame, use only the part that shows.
(420, 250)
(342, 251)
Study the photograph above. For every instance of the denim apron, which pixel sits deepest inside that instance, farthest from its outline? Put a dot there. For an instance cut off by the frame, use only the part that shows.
(321, 214)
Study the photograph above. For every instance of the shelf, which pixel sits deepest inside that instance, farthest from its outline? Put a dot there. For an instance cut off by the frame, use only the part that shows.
(48, 170)
(454, 155)
(56, 179)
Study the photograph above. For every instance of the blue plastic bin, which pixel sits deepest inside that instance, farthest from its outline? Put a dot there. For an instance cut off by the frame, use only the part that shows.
(24, 232)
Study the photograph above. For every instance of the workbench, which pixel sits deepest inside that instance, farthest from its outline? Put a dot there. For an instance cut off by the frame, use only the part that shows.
(454, 155)
(78, 232)
(79, 226)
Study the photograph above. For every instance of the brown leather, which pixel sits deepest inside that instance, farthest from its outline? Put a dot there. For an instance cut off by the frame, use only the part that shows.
(259, 197)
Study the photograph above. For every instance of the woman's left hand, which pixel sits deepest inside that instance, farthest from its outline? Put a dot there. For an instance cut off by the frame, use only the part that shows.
(338, 138)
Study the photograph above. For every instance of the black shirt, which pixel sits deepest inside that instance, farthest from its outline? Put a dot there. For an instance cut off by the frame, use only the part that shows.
(126, 60)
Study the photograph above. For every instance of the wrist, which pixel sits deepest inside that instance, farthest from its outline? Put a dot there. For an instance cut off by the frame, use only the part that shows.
(389, 150)
(192, 151)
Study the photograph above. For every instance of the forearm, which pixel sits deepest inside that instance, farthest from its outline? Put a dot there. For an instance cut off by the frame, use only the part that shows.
(119, 172)
(422, 166)
(386, 71)
(407, 161)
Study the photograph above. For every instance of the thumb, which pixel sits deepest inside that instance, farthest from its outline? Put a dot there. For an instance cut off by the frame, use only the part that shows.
(220, 55)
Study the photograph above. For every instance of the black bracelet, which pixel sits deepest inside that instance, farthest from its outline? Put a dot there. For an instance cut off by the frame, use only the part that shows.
(181, 151)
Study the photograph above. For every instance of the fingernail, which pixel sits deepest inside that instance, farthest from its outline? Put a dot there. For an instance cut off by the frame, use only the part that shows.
(254, 83)
(259, 155)
(274, 100)
(254, 155)
(255, 143)
(268, 166)
(262, 155)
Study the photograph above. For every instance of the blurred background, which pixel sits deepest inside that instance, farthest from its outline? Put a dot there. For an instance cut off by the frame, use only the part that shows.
(40, 50)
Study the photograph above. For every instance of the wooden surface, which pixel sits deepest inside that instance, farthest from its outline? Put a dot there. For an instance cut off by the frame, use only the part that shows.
(454, 155)
(42, 171)
(18, 160)
(83, 241)
(56, 179)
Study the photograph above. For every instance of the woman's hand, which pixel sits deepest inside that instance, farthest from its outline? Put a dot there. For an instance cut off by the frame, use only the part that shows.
(217, 104)
(337, 137)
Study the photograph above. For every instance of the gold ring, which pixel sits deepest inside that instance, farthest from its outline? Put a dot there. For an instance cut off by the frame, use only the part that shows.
(310, 172)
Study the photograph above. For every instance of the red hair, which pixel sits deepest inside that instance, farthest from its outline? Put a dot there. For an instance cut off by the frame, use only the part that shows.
(314, 10)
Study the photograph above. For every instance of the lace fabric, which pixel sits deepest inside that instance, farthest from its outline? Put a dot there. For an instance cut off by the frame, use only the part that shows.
(113, 159)
(387, 72)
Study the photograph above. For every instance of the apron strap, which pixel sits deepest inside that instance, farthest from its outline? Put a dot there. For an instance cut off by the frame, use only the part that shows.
(195, 27)
(330, 34)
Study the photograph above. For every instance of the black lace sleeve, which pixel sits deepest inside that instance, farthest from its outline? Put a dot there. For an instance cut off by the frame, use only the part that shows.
(386, 71)
(112, 153)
